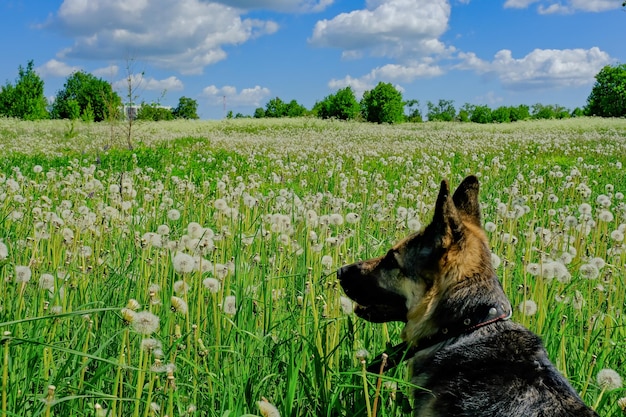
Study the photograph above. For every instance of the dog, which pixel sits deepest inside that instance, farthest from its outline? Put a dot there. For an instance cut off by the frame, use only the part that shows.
(463, 349)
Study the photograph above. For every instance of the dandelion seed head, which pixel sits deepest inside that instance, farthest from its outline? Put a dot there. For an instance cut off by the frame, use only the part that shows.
(133, 304)
(362, 354)
(528, 307)
(347, 306)
(4, 251)
(336, 219)
(173, 214)
(605, 216)
(352, 218)
(589, 271)
(212, 284)
(179, 305)
(181, 287)
(609, 380)
(327, 261)
(598, 262)
(22, 274)
(46, 282)
(145, 323)
(267, 409)
(584, 208)
(150, 344)
(230, 305)
(414, 224)
(617, 235)
(183, 263)
(195, 230)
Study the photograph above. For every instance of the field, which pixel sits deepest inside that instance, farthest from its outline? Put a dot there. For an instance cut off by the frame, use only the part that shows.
(194, 274)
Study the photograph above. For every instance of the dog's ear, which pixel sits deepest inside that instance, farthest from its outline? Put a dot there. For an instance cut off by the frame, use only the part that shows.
(466, 200)
(446, 224)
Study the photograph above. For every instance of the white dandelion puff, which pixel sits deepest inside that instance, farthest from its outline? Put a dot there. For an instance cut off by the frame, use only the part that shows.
(589, 271)
(609, 380)
(212, 284)
(528, 307)
(179, 305)
(183, 263)
(145, 323)
(230, 305)
(347, 306)
(22, 274)
(267, 409)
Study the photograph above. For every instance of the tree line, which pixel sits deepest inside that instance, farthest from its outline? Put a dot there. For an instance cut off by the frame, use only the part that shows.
(87, 97)
(83, 96)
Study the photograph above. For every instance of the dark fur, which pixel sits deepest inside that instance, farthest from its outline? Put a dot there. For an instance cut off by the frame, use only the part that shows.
(439, 282)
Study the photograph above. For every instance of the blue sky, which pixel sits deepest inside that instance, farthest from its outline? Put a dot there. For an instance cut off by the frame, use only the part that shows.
(244, 52)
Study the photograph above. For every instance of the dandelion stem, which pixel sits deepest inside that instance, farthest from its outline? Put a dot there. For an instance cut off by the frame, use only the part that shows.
(365, 389)
(379, 383)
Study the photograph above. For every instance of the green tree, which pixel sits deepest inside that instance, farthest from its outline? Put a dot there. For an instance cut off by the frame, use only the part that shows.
(341, 105)
(414, 113)
(187, 109)
(383, 104)
(481, 114)
(295, 109)
(501, 115)
(442, 111)
(608, 95)
(154, 112)
(24, 100)
(465, 112)
(521, 112)
(275, 107)
(94, 96)
(259, 113)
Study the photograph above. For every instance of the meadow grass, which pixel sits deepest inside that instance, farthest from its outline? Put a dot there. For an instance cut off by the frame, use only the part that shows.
(195, 273)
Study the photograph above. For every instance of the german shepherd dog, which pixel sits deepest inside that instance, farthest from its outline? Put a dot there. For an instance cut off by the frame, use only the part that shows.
(464, 351)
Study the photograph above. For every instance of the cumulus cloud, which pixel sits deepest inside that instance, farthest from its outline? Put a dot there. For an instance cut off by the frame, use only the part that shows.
(184, 35)
(55, 68)
(568, 6)
(541, 68)
(387, 73)
(108, 71)
(280, 5)
(140, 82)
(247, 97)
(392, 28)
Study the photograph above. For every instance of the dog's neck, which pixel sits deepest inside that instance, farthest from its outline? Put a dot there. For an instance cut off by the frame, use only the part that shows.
(481, 316)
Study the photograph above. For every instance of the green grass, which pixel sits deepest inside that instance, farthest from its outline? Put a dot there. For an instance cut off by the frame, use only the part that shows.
(266, 192)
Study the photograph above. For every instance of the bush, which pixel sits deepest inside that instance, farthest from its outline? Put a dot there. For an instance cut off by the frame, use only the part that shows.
(481, 114)
(187, 109)
(501, 115)
(341, 105)
(154, 112)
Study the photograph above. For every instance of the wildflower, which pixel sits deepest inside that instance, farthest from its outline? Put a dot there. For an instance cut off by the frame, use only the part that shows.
(267, 409)
(528, 307)
(617, 235)
(145, 323)
(173, 214)
(336, 219)
(579, 301)
(571, 221)
(622, 403)
(179, 305)
(490, 227)
(195, 230)
(163, 230)
(37, 169)
(589, 271)
(100, 411)
(362, 354)
(150, 344)
(327, 261)
(609, 380)
(584, 208)
(4, 251)
(22, 274)
(220, 204)
(605, 216)
(181, 287)
(346, 305)
(152, 239)
(212, 284)
(183, 263)
(352, 218)
(598, 262)
(414, 224)
(46, 282)
(230, 305)
(133, 304)
(495, 260)
(533, 269)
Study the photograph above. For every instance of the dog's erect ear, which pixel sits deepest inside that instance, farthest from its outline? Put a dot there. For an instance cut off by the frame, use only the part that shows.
(466, 199)
(446, 221)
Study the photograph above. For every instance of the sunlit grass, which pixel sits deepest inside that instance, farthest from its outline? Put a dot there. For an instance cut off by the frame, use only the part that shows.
(229, 234)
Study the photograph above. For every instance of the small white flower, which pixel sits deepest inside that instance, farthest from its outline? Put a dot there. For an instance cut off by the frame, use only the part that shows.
(230, 305)
(212, 284)
(183, 263)
(22, 274)
(609, 380)
(528, 307)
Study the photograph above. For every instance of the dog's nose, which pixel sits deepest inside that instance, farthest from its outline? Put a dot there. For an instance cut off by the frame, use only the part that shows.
(341, 271)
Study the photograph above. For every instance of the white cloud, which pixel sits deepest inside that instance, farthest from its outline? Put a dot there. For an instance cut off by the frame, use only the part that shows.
(541, 68)
(393, 28)
(55, 68)
(185, 35)
(567, 6)
(108, 71)
(139, 82)
(280, 5)
(387, 73)
(246, 97)
(518, 4)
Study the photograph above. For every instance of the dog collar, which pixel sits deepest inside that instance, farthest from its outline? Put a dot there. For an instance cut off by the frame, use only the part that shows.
(480, 317)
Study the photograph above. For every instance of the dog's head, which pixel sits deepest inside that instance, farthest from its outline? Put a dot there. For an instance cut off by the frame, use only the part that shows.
(432, 277)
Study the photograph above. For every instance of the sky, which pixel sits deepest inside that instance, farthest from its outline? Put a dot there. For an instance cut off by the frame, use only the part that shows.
(235, 55)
